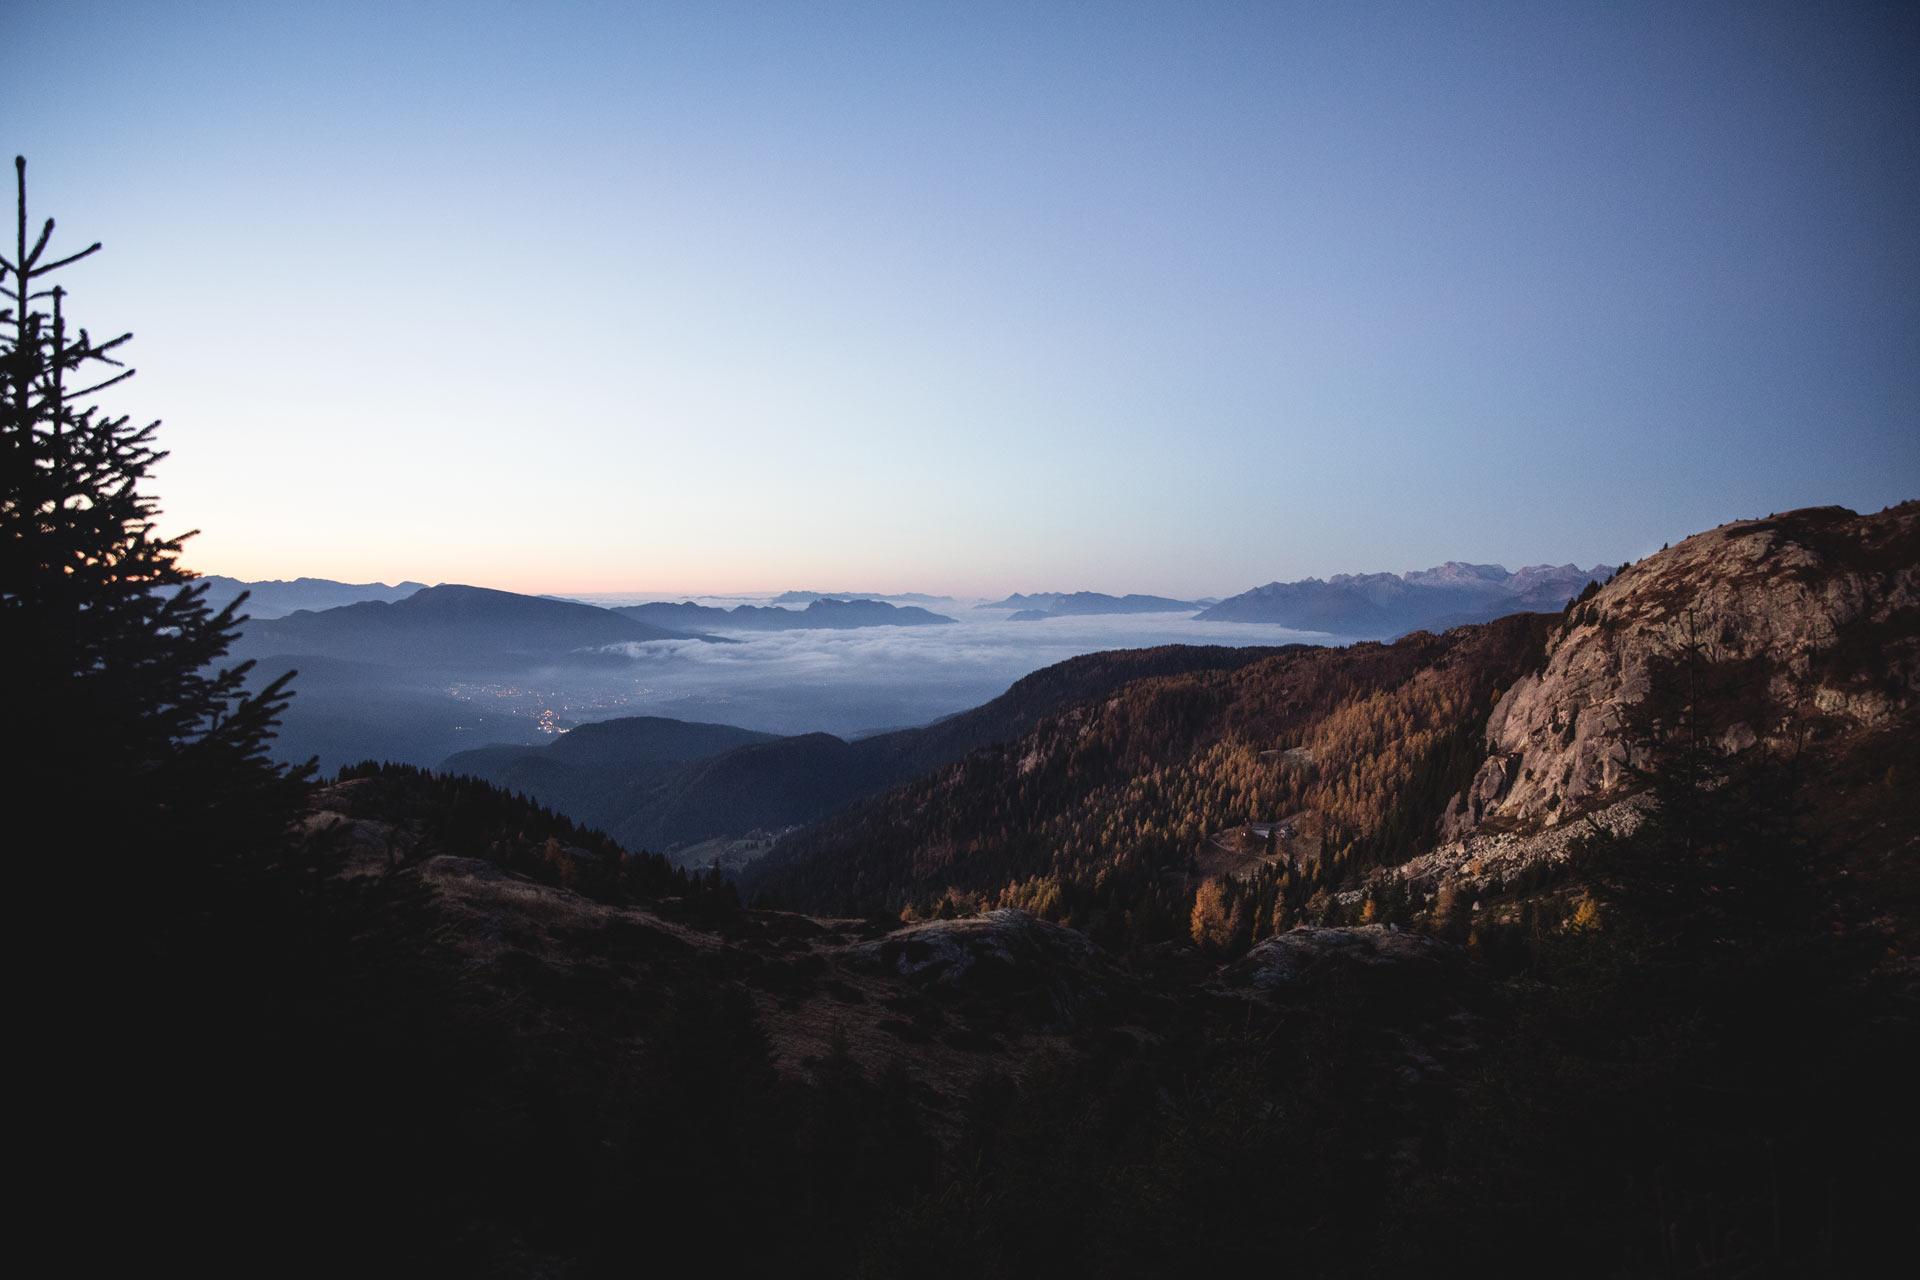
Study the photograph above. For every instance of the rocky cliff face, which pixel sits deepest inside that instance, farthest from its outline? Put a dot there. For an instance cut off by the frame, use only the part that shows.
(1822, 604)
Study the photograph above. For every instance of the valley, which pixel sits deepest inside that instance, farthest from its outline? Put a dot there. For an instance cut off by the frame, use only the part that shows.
(416, 677)
(1344, 926)
(1381, 740)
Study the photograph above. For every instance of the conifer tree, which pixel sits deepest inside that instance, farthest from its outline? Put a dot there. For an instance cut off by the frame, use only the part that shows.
(137, 733)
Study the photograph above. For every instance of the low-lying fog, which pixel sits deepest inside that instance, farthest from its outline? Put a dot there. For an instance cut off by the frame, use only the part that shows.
(854, 682)
(847, 683)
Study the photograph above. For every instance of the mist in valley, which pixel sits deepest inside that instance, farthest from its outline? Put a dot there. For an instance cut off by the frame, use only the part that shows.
(847, 683)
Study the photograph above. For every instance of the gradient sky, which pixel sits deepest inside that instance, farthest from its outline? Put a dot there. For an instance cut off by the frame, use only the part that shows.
(974, 298)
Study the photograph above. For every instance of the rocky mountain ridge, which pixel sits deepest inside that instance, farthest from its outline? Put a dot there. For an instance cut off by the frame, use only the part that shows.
(1385, 605)
(1449, 768)
(1825, 605)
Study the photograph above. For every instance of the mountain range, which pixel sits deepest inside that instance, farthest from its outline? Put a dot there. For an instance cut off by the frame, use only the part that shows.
(1376, 605)
(1388, 771)
(1383, 605)
(824, 613)
(276, 598)
(808, 597)
(1056, 604)
(1155, 942)
(451, 626)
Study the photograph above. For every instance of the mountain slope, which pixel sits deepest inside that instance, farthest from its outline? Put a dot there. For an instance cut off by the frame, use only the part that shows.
(464, 1032)
(1101, 809)
(1794, 639)
(1372, 781)
(1830, 601)
(773, 784)
(766, 786)
(575, 1008)
(586, 771)
(451, 626)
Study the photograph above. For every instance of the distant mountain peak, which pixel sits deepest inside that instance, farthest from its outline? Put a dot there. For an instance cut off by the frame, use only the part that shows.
(821, 613)
(1043, 604)
(808, 597)
(277, 597)
(1380, 605)
(1458, 573)
(453, 626)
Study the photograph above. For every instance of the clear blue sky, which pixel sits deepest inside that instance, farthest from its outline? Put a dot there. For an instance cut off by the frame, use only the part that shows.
(1178, 298)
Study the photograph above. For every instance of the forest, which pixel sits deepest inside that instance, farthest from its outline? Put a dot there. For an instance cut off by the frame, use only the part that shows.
(1096, 818)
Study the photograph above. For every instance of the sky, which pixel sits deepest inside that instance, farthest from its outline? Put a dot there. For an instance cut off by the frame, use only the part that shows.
(974, 298)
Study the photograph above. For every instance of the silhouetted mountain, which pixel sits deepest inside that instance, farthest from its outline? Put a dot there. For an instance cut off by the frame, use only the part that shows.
(823, 614)
(453, 627)
(1382, 605)
(808, 597)
(277, 598)
(1063, 603)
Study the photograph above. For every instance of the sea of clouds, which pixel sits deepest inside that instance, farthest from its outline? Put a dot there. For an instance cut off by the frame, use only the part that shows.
(861, 681)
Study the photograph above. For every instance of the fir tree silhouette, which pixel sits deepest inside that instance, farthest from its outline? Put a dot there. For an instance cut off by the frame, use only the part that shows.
(138, 734)
(156, 907)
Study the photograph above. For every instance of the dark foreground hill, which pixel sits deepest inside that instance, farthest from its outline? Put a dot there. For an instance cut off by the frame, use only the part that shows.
(517, 1050)
(471, 1037)
(1589, 950)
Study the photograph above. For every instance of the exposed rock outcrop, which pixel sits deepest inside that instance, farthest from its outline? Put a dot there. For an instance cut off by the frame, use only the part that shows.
(1486, 865)
(1302, 956)
(1829, 600)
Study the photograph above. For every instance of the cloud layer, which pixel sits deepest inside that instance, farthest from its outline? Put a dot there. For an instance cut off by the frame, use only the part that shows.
(853, 682)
